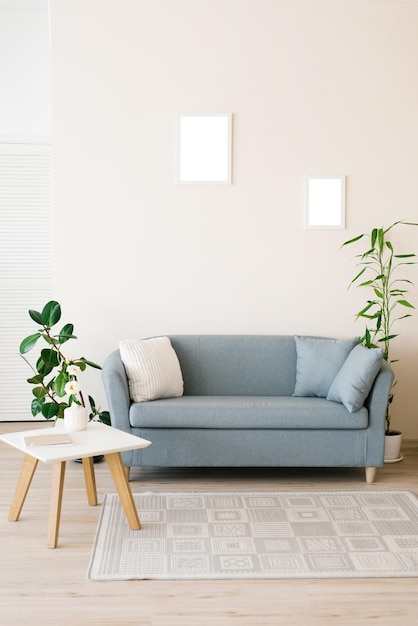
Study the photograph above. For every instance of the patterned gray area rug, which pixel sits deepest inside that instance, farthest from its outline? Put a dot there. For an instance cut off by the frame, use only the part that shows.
(290, 534)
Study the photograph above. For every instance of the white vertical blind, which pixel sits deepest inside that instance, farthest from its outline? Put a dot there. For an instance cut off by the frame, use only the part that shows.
(26, 263)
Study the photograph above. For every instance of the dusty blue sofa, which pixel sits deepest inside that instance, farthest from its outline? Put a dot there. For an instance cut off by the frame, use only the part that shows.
(239, 409)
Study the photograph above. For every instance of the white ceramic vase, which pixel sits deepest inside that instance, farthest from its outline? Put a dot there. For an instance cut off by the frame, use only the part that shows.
(393, 444)
(76, 417)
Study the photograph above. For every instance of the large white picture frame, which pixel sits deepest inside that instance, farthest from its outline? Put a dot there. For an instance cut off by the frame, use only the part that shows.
(205, 148)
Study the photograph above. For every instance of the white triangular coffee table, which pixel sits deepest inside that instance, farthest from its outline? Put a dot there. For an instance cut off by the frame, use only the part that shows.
(97, 439)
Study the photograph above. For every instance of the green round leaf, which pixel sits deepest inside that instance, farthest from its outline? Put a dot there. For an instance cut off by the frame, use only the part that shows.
(36, 316)
(51, 313)
(49, 410)
(35, 380)
(61, 408)
(104, 416)
(39, 392)
(28, 343)
(42, 367)
(50, 357)
(66, 333)
(36, 405)
(59, 384)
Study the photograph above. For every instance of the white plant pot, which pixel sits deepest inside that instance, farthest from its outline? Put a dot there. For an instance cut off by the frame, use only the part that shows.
(393, 447)
(76, 417)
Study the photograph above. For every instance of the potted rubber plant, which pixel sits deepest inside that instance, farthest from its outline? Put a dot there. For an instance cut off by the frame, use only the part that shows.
(55, 386)
(379, 273)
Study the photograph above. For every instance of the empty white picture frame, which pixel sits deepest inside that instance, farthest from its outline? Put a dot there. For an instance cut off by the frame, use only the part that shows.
(325, 202)
(205, 148)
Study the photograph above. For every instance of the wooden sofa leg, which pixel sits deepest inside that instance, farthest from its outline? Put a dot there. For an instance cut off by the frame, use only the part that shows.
(370, 474)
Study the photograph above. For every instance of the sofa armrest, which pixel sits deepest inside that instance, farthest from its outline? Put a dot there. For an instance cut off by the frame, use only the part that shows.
(376, 404)
(115, 383)
(379, 395)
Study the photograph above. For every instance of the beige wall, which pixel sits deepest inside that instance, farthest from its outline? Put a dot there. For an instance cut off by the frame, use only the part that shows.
(319, 87)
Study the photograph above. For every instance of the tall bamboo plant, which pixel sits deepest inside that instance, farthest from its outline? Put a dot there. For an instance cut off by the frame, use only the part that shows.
(388, 304)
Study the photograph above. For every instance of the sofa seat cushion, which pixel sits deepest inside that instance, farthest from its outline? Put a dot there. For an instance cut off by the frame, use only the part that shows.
(245, 412)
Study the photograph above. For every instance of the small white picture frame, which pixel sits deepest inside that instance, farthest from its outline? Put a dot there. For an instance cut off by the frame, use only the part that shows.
(324, 200)
(205, 148)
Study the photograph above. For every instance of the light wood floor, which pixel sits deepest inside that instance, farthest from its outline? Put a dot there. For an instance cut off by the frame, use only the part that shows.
(43, 586)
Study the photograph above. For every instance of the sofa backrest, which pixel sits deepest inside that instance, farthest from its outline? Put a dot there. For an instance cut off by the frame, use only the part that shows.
(237, 365)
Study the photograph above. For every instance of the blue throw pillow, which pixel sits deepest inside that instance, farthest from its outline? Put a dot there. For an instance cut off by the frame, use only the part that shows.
(352, 384)
(318, 362)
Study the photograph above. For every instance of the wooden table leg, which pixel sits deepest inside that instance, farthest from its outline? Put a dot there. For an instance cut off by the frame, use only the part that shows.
(90, 480)
(27, 471)
(117, 469)
(58, 474)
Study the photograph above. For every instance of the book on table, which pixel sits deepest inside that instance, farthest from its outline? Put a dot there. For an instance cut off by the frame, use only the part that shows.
(53, 439)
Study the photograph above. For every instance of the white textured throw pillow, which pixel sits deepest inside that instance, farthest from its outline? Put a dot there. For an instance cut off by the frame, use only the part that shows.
(152, 367)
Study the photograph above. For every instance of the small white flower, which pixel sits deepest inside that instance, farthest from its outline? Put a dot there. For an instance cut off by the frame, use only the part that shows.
(73, 370)
(72, 387)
